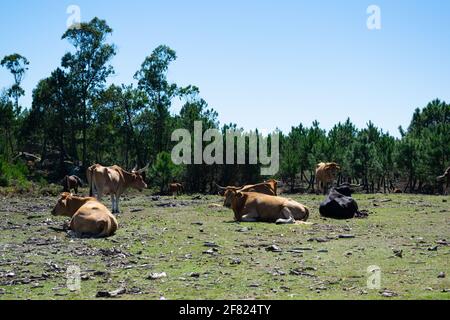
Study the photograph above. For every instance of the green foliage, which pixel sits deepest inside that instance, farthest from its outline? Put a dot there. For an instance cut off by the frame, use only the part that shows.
(17, 65)
(164, 170)
(13, 174)
(76, 117)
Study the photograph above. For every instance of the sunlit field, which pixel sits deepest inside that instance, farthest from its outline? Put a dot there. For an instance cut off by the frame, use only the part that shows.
(190, 248)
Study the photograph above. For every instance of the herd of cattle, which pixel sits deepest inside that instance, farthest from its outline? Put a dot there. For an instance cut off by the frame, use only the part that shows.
(250, 203)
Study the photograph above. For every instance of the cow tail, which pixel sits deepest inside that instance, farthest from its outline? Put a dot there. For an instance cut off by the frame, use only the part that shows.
(67, 183)
(306, 214)
(80, 183)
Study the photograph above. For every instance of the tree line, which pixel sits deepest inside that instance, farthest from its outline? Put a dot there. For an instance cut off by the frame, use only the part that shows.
(76, 120)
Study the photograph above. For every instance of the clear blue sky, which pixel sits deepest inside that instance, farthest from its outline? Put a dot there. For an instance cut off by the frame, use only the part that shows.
(262, 63)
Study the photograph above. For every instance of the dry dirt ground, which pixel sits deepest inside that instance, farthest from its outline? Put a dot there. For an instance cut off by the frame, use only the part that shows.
(190, 248)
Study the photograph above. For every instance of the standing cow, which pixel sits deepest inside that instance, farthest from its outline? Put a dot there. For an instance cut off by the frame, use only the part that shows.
(113, 181)
(445, 179)
(326, 174)
(71, 182)
(175, 189)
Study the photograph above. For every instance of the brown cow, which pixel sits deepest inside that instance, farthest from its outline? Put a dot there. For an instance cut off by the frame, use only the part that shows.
(445, 179)
(89, 217)
(71, 182)
(267, 187)
(113, 181)
(176, 188)
(325, 174)
(255, 207)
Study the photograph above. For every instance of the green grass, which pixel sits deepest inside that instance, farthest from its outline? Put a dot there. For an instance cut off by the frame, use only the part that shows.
(159, 239)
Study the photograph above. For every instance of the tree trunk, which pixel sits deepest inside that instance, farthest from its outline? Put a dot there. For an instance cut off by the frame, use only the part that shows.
(84, 152)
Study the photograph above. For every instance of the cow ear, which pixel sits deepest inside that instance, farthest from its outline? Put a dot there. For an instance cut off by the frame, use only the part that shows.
(239, 195)
(65, 195)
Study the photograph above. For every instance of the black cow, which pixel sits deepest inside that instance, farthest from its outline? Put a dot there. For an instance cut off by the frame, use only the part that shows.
(71, 182)
(339, 204)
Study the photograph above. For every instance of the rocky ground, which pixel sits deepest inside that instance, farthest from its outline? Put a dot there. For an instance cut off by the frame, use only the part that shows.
(190, 248)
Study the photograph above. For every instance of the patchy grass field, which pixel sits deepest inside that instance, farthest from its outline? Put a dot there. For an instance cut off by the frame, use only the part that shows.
(205, 255)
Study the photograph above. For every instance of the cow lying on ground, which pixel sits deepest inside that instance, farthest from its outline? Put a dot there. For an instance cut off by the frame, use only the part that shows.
(255, 207)
(267, 187)
(176, 188)
(71, 182)
(89, 217)
(326, 174)
(113, 181)
(445, 179)
(339, 204)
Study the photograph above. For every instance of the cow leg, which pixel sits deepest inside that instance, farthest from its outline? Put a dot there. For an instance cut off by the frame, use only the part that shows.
(99, 194)
(113, 203)
(286, 217)
(117, 204)
(250, 217)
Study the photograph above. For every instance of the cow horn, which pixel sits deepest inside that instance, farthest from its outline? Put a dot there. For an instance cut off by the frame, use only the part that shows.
(221, 188)
(143, 169)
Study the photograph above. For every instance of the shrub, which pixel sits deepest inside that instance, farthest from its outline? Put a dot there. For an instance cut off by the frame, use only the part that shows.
(13, 174)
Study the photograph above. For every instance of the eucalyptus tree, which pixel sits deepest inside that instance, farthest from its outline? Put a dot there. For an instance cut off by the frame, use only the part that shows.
(18, 66)
(152, 79)
(88, 67)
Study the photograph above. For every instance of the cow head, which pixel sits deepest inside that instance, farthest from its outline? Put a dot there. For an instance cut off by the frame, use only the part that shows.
(138, 182)
(333, 166)
(345, 189)
(223, 190)
(229, 195)
(137, 178)
(62, 207)
(235, 200)
(273, 185)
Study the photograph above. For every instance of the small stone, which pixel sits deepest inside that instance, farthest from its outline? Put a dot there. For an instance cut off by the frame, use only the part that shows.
(273, 248)
(388, 294)
(441, 275)
(398, 253)
(195, 275)
(346, 236)
(210, 251)
(103, 294)
(155, 276)
(211, 245)
(117, 292)
(435, 248)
